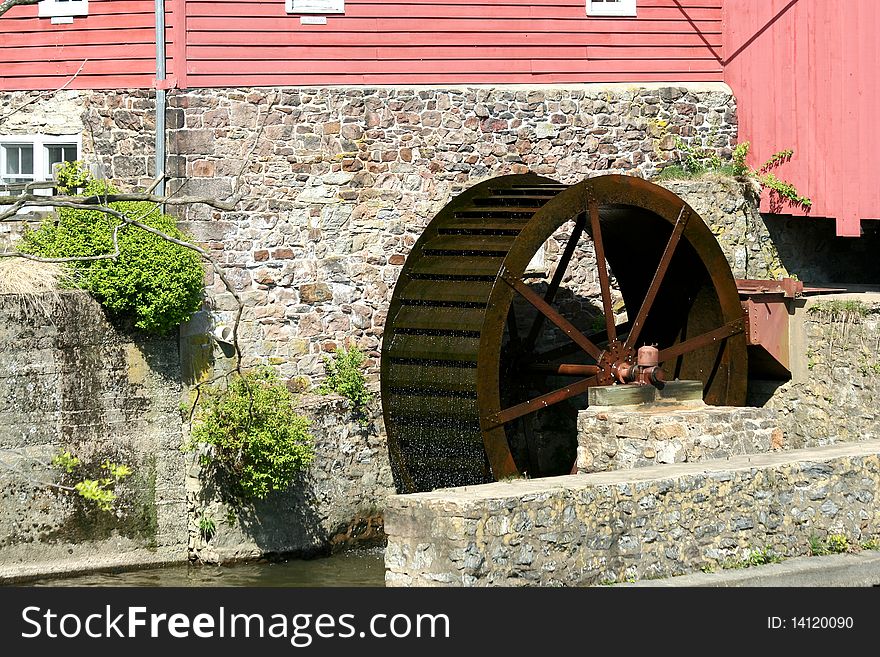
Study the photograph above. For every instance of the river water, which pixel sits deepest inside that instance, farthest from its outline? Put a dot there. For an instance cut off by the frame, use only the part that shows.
(355, 568)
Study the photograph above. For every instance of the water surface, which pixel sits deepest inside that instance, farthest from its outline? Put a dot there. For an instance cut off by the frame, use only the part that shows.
(355, 568)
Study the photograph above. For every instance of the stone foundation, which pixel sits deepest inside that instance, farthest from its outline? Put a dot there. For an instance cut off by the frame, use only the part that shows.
(635, 524)
(623, 437)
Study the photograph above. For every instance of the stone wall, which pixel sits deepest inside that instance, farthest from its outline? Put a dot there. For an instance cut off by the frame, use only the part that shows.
(650, 522)
(69, 380)
(342, 181)
(730, 211)
(834, 394)
(336, 504)
(623, 437)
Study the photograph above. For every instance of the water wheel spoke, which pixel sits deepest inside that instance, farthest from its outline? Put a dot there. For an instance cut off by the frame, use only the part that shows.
(659, 275)
(571, 348)
(601, 265)
(702, 340)
(548, 311)
(541, 402)
(556, 281)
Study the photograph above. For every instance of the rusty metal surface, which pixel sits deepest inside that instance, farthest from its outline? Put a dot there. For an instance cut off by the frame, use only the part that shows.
(767, 309)
(461, 369)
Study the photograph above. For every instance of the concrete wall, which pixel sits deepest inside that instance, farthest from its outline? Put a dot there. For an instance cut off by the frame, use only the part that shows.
(69, 380)
(649, 522)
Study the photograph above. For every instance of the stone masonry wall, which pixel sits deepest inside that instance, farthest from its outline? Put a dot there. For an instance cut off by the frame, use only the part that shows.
(645, 523)
(342, 181)
(618, 438)
(731, 212)
(337, 503)
(69, 380)
(833, 395)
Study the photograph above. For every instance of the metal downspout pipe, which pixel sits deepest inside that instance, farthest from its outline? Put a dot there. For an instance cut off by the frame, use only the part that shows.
(160, 96)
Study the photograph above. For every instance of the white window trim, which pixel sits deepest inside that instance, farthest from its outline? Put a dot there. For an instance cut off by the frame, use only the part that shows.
(55, 9)
(621, 8)
(39, 142)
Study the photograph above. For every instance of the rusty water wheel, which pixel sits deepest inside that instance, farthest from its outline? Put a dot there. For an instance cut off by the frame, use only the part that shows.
(462, 366)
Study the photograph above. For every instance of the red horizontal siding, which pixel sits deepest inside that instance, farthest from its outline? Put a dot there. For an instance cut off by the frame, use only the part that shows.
(116, 41)
(804, 75)
(255, 43)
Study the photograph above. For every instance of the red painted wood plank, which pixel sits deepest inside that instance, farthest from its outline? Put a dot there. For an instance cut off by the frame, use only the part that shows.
(443, 10)
(259, 80)
(41, 83)
(387, 67)
(45, 54)
(272, 24)
(331, 38)
(80, 38)
(403, 52)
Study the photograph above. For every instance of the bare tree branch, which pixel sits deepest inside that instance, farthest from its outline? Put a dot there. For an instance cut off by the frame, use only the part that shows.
(83, 202)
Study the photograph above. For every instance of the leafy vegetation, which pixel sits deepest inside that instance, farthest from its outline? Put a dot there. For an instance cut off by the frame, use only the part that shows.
(255, 442)
(757, 557)
(837, 310)
(207, 527)
(698, 161)
(159, 283)
(101, 491)
(832, 544)
(345, 376)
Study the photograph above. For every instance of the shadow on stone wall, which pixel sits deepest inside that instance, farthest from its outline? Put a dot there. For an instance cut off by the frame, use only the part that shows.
(809, 248)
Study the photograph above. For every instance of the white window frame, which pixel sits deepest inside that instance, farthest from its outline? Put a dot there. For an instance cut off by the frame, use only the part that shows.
(41, 145)
(63, 8)
(613, 8)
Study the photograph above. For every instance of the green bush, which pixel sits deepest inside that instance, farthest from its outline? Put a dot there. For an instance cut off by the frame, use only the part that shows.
(345, 376)
(257, 441)
(157, 282)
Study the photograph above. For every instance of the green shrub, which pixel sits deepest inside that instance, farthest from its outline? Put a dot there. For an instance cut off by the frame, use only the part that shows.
(157, 282)
(345, 376)
(257, 441)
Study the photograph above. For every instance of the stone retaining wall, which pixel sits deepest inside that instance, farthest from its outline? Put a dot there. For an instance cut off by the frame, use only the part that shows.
(649, 522)
(834, 393)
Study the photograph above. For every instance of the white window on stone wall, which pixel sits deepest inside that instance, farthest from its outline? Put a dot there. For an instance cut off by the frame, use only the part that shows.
(31, 158)
(63, 11)
(611, 7)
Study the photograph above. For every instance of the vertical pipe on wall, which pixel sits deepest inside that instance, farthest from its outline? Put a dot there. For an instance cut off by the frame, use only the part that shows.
(160, 96)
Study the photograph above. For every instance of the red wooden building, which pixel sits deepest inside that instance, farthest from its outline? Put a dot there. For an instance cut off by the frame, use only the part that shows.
(801, 70)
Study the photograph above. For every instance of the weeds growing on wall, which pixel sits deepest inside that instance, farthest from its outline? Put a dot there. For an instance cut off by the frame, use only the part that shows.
(697, 161)
(253, 442)
(101, 490)
(345, 376)
(159, 283)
